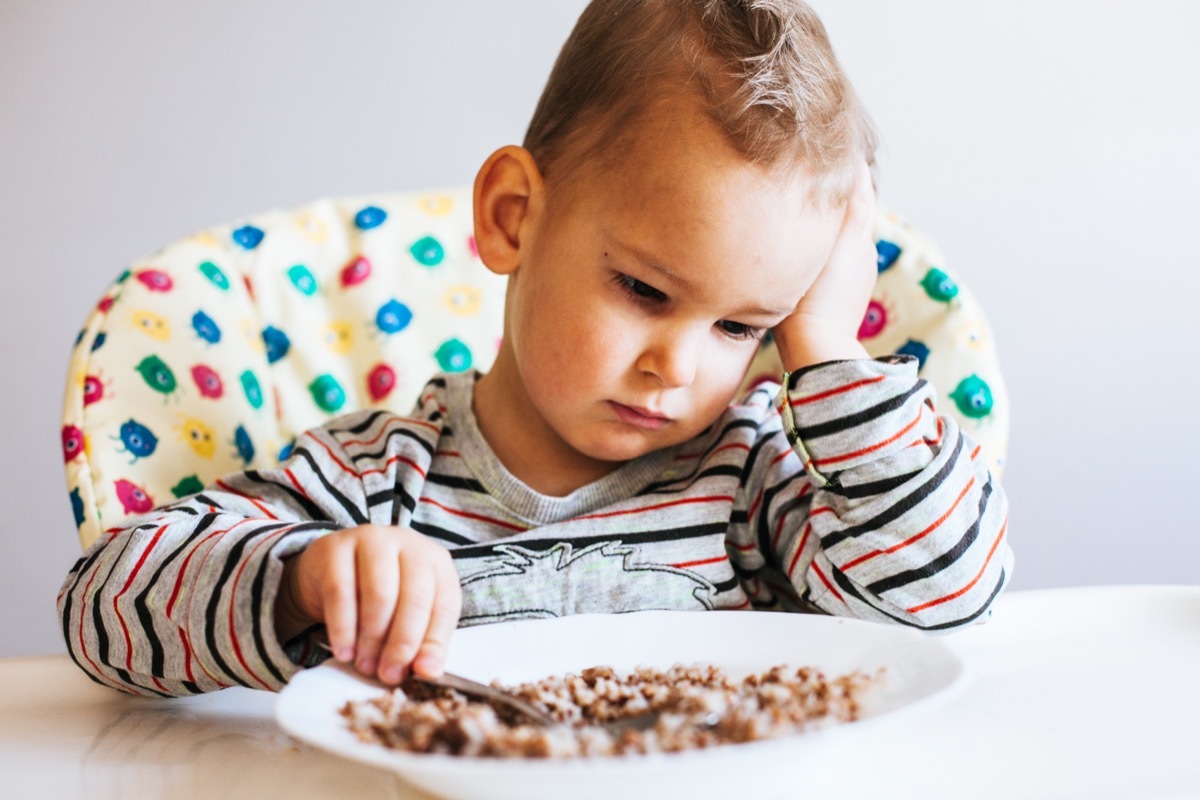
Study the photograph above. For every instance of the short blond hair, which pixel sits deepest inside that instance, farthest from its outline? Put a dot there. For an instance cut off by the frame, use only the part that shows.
(764, 70)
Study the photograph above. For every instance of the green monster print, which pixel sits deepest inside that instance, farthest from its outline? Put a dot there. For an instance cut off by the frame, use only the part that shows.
(157, 375)
(428, 251)
(939, 286)
(973, 397)
(215, 275)
(327, 393)
(189, 485)
(303, 279)
(254, 393)
(453, 356)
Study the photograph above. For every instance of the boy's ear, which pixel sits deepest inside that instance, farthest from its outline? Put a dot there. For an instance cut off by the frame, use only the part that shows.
(507, 193)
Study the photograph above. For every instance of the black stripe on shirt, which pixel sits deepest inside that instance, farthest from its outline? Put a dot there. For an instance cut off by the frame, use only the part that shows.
(809, 432)
(433, 531)
(941, 562)
(377, 455)
(901, 506)
(455, 482)
(350, 508)
(861, 490)
(663, 535)
(142, 606)
(214, 601)
(311, 509)
(686, 482)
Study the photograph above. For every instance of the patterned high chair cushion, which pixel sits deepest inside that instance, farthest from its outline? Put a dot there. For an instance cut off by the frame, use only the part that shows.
(212, 354)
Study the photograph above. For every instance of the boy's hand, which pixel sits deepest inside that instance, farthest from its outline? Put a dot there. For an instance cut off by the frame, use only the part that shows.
(824, 326)
(389, 597)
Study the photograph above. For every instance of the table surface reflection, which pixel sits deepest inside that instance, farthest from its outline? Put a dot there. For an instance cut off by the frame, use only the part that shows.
(1088, 692)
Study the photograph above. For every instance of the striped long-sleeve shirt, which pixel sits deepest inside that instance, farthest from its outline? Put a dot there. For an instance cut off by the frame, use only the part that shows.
(845, 492)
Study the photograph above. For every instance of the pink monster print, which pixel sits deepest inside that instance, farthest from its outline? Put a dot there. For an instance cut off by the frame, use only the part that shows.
(72, 442)
(208, 381)
(356, 271)
(380, 381)
(133, 498)
(874, 320)
(104, 305)
(95, 389)
(155, 280)
(471, 246)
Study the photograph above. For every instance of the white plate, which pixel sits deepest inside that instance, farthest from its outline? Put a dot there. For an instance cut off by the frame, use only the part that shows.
(918, 668)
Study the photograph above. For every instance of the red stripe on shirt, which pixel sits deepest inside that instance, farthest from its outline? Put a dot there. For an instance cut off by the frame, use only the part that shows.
(812, 398)
(722, 498)
(237, 576)
(183, 568)
(901, 545)
(253, 502)
(973, 581)
(129, 582)
(389, 462)
(820, 462)
(817, 569)
(87, 592)
(501, 523)
(779, 522)
(799, 550)
(701, 562)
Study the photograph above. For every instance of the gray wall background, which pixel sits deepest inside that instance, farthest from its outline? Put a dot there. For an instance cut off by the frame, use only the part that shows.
(1050, 147)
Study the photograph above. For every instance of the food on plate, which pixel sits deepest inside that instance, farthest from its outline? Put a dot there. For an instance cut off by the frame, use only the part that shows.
(699, 706)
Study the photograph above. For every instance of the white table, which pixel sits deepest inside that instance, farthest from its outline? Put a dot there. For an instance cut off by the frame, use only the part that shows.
(1088, 693)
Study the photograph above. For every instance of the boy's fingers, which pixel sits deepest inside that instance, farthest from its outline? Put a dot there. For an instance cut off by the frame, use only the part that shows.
(338, 600)
(447, 608)
(418, 586)
(378, 586)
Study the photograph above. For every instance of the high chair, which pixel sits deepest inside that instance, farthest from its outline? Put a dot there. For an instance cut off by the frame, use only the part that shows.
(212, 354)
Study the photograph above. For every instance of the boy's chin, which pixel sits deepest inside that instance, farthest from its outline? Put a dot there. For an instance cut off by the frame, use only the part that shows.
(623, 446)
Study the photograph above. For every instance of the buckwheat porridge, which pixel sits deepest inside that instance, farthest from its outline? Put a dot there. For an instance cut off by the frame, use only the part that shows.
(700, 705)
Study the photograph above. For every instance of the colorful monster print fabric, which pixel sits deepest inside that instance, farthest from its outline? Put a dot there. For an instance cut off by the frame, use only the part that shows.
(211, 355)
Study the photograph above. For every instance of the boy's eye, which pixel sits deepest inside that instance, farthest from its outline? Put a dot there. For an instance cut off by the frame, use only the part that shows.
(739, 330)
(642, 292)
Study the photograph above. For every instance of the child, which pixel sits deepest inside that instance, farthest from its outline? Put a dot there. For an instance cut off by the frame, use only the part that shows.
(695, 176)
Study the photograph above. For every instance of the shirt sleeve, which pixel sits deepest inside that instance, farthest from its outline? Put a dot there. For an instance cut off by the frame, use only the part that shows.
(181, 600)
(871, 504)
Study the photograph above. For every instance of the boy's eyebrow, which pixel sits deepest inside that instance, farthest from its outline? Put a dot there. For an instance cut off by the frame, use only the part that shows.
(651, 262)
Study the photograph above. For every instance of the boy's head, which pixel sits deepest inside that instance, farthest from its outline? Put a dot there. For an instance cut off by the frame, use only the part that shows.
(762, 70)
(681, 185)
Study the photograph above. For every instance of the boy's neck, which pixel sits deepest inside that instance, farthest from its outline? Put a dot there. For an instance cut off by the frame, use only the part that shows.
(522, 440)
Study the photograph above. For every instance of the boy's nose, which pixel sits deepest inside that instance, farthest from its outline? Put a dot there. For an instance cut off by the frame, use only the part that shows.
(673, 359)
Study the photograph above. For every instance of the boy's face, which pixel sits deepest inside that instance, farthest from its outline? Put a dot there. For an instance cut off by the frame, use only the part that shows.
(643, 290)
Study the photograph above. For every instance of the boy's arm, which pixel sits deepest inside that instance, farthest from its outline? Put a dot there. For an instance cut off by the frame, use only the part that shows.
(874, 506)
(181, 600)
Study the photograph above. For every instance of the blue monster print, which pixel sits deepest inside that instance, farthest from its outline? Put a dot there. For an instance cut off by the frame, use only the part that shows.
(138, 440)
(370, 217)
(285, 452)
(393, 316)
(277, 343)
(887, 253)
(79, 338)
(245, 447)
(98, 342)
(206, 328)
(248, 236)
(914, 348)
(77, 507)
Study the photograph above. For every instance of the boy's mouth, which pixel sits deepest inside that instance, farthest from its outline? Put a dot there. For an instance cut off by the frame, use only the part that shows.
(639, 417)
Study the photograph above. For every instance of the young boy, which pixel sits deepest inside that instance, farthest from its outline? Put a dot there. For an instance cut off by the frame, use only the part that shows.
(695, 176)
